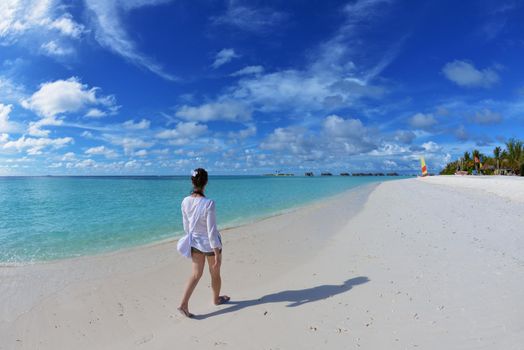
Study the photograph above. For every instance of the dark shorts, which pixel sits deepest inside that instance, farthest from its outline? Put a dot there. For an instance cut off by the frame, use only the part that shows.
(194, 250)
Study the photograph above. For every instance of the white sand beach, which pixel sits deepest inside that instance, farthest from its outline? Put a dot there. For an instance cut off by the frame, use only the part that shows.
(427, 263)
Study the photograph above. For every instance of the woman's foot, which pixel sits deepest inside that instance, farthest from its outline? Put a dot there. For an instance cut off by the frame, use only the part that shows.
(185, 312)
(222, 300)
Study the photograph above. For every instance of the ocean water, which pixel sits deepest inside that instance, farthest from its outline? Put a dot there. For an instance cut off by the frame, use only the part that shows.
(46, 218)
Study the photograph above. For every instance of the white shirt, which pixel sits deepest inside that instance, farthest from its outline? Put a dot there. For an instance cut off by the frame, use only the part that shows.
(199, 212)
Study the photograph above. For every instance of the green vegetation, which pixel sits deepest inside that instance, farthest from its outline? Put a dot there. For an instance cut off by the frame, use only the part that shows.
(503, 162)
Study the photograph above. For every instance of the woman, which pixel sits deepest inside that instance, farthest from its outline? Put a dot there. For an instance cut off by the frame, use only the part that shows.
(199, 218)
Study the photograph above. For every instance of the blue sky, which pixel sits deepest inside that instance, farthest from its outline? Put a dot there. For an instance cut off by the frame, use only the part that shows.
(99, 87)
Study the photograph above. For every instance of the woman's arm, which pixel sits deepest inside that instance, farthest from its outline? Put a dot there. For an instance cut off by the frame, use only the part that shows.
(185, 220)
(213, 234)
(212, 230)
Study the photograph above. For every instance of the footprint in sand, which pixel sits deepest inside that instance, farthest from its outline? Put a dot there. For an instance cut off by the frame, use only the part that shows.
(120, 308)
(144, 339)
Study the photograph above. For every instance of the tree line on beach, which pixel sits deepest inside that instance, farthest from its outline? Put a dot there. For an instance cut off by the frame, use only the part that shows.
(502, 161)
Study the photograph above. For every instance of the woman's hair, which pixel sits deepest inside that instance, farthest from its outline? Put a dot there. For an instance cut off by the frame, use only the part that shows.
(199, 180)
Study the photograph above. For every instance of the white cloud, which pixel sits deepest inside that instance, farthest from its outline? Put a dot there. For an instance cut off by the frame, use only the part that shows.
(224, 110)
(141, 125)
(224, 56)
(10, 91)
(389, 149)
(103, 151)
(86, 163)
(281, 89)
(65, 96)
(95, 113)
(4, 137)
(87, 134)
(68, 157)
(183, 130)
(129, 144)
(251, 130)
(348, 136)
(6, 125)
(141, 153)
(348, 52)
(39, 20)
(249, 70)
(312, 89)
(337, 126)
(161, 152)
(404, 136)
(461, 133)
(35, 128)
(486, 116)
(339, 73)
(19, 16)
(256, 20)
(338, 138)
(422, 121)
(52, 48)
(111, 33)
(431, 147)
(36, 145)
(67, 26)
(466, 75)
(132, 164)
(292, 139)
(390, 164)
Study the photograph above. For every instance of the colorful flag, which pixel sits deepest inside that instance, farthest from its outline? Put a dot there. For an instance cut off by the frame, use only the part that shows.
(423, 166)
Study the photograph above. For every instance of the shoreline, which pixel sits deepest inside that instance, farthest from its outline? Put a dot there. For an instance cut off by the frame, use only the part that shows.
(178, 235)
(398, 265)
(54, 276)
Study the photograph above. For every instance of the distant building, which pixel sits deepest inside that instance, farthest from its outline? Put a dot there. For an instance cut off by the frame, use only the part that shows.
(279, 174)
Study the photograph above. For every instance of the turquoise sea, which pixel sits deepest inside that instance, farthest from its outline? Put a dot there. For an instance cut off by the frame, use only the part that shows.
(46, 218)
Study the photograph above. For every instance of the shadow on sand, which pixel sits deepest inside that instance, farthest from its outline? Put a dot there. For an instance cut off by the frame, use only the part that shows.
(293, 297)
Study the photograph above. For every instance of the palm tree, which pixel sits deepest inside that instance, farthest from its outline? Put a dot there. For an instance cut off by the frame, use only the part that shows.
(476, 155)
(515, 151)
(504, 157)
(496, 153)
(510, 158)
(466, 160)
(460, 164)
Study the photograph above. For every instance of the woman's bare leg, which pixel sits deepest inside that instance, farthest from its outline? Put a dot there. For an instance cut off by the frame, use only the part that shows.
(216, 280)
(198, 267)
